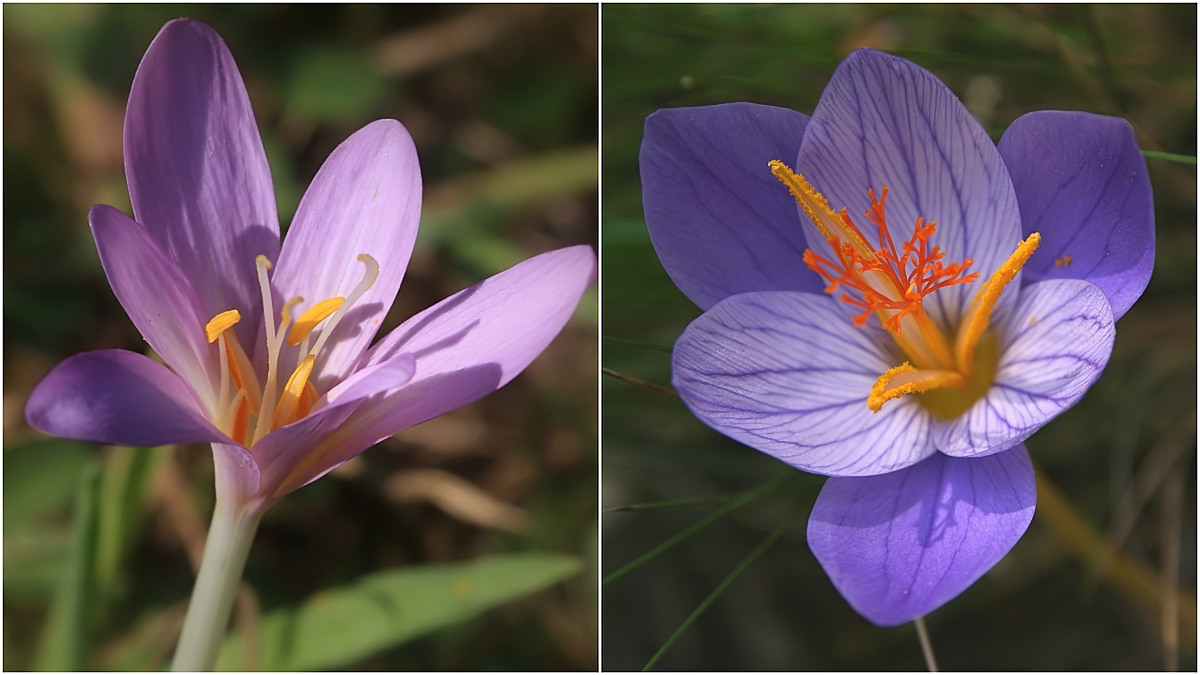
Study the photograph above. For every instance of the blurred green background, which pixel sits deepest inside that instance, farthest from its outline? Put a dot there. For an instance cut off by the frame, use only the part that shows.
(1118, 470)
(501, 101)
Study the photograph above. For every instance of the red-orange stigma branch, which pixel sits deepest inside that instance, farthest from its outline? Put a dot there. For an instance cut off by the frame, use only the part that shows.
(913, 273)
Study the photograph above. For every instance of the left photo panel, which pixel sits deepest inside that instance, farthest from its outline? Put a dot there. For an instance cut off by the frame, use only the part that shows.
(300, 337)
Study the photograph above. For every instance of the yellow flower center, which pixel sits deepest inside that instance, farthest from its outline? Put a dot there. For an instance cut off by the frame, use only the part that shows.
(948, 375)
(248, 409)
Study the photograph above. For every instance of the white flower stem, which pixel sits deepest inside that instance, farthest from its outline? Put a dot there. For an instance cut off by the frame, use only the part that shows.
(229, 537)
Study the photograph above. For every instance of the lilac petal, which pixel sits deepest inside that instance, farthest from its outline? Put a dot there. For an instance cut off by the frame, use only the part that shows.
(502, 323)
(374, 379)
(900, 545)
(1082, 183)
(883, 120)
(1054, 345)
(365, 199)
(719, 220)
(290, 454)
(300, 453)
(237, 475)
(787, 374)
(119, 397)
(158, 298)
(303, 452)
(465, 347)
(197, 172)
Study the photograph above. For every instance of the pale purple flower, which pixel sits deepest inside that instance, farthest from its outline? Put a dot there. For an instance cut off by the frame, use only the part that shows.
(287, 385)
(930, 481)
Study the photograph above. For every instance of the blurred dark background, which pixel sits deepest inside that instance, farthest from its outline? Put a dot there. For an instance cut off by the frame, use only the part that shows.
(1118, 470)
(501, 101)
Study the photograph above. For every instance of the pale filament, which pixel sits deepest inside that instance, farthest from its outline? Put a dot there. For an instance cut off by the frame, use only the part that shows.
(244, 410)
(370, 274)
(274, 343)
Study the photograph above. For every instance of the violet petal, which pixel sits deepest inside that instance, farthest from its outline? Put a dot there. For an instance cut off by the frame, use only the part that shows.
(158, 298)
(1081, 182)
(900, 545)
(1054, 345)
(883, 120)
(118, 397)
(719, 220)
(787, 374)
(197, 172)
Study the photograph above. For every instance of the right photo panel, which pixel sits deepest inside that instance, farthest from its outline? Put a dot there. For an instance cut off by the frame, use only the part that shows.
(899, 337)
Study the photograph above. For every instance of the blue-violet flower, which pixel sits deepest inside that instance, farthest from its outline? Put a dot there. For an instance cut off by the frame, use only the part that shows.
(994, 274)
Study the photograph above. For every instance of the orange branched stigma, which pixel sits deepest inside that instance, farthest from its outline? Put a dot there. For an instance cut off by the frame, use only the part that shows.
(248, 409)
(914, 273)
(947, 375)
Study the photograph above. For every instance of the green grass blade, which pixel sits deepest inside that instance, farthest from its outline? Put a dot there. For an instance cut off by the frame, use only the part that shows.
(639, 383)
(1169, 156)
(639, 344)
(126, 485)
(716, 592)
(736, 502)
(668, 504)
(63, 643)
(338, 627)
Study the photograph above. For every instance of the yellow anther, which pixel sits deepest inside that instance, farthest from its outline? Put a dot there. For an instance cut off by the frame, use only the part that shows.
(293, 391)
(904, 379)
(308, 399)
(248, 408)
(985, 300)
(221, 323)
(830, 223)
(311, 317)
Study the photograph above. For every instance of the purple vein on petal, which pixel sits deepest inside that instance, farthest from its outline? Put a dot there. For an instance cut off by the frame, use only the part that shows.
(885, 121)
(719, 221)
(1054, 345)
(785, 373)
(900, 545)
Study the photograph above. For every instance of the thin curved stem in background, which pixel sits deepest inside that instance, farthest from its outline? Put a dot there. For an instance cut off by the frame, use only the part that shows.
(926, 645)
(695, 527)
(729, 579)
